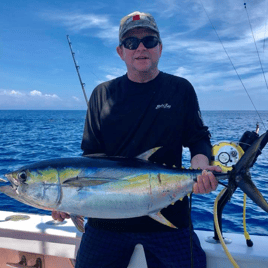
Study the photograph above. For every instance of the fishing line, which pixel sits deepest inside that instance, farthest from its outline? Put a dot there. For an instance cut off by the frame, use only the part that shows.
(256, 46)
(265, 29)
(223, 184)
(190, 230)
(232, 63)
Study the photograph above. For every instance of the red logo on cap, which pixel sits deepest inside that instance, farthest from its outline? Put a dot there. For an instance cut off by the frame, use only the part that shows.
(136, 17)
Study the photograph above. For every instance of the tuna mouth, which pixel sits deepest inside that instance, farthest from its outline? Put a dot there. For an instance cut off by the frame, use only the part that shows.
(3, 180)
(14, 182)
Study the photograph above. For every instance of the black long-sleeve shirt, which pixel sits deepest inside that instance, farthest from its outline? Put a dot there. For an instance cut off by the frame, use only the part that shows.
(127, 118)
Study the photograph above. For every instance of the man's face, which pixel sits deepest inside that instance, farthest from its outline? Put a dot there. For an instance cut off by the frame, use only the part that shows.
(140, 59)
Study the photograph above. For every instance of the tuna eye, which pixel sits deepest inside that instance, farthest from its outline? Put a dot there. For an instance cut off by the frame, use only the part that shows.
(23, 176)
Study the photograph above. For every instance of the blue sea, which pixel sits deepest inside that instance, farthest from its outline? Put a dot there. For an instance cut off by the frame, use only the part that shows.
(30, 136)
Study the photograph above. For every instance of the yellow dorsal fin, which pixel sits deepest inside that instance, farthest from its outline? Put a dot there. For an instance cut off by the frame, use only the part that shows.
(146, 155)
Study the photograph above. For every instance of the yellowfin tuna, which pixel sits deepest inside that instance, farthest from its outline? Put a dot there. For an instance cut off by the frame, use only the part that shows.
(115, 187)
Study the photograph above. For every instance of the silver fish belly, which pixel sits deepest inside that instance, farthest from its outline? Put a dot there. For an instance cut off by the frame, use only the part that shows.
(139, 195)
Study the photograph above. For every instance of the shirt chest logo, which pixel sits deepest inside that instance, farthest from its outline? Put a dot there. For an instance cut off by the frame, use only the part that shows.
(163, 106)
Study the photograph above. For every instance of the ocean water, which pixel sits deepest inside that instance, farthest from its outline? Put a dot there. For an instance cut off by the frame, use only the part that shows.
(30, 136)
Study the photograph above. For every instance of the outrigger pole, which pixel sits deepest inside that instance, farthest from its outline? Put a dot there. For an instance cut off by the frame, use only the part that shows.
(77, 70)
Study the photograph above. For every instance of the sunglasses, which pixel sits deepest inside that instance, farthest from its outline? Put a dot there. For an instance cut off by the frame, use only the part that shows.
(133, 43)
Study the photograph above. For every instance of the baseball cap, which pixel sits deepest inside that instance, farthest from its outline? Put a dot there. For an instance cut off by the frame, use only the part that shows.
(137, 19)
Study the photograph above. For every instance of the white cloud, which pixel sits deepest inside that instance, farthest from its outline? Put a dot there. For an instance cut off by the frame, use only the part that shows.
(13, 93)
(52, 96)
(26, 96)
(110, 33)
(15, 99)
(112, 73)
(167, 8)
(99, 24)
(40, 94)
(181, 71)
(110, 77)
(78, 22)
(75, 98)
(35, 93)
(191, 48)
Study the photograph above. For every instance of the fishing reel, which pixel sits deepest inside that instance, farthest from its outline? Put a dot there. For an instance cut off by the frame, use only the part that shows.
(226, 154)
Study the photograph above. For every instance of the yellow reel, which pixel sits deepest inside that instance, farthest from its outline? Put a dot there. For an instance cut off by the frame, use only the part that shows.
(226, 154)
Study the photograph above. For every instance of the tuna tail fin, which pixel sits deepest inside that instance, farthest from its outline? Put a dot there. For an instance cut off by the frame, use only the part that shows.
(248, 187)
(240, 175)
(249, 157)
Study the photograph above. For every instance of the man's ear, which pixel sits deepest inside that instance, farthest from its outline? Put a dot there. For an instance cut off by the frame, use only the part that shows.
(120, 52)
(160, 48)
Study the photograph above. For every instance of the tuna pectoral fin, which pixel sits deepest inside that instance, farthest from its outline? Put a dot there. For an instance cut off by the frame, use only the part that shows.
(86, 181)
(248, 187)
(160, 218)
(78, 222)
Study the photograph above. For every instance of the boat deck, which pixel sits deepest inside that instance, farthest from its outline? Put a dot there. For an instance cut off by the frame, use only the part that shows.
(57, 243)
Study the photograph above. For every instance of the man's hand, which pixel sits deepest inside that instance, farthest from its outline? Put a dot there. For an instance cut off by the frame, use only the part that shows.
(206, 182)
(59, 216)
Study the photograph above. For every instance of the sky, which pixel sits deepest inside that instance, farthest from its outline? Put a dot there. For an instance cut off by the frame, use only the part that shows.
(219, 46)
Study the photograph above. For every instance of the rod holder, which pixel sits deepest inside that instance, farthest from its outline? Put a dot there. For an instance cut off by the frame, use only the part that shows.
(221, 204)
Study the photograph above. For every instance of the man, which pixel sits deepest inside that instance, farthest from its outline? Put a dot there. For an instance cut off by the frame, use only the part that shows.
(127, 116)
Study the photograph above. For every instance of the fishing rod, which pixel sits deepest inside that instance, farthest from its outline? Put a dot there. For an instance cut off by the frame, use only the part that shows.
(77, 70)
(232, 63)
